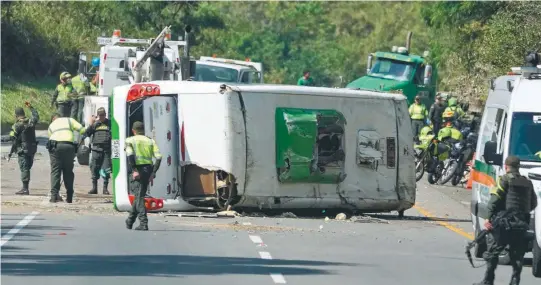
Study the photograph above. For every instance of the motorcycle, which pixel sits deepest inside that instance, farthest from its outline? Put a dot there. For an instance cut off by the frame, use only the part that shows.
(462, 173)
(420, 152)
(439, 152)
(459, 155)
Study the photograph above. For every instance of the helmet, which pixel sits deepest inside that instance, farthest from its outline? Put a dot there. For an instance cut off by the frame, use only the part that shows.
(452, 102)
(64, 75)
(426, 130)
(95, 62)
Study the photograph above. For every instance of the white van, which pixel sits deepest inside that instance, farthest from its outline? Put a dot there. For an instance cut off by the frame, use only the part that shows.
(511, 125)
(267, 146)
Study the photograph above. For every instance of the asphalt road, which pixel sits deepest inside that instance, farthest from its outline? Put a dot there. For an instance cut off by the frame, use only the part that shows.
(61, 247)
(87, 243)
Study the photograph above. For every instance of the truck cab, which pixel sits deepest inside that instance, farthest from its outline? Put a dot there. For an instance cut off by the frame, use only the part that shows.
(399, 72)
(211, 69)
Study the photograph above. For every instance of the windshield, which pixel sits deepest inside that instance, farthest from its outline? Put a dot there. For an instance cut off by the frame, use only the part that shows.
(392, 69)
(525, 137)
(211, 73)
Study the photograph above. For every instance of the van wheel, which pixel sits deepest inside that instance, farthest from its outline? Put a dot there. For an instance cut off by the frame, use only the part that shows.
(536, 260)
(224, 196)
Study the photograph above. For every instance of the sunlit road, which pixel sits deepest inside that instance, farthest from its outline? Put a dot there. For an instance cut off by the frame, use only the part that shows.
(54, 247)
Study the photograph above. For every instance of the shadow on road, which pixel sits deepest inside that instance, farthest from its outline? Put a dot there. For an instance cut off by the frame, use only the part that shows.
(416, 218)
(153, 265)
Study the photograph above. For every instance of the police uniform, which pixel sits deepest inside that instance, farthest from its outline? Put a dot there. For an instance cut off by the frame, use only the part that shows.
(449, 133)
(82, 88)
(23, 136)
(63, 95)
(140, 151)
(514, 198)
(101, 152)
(62, 151)
(418, 115)
(452, 112)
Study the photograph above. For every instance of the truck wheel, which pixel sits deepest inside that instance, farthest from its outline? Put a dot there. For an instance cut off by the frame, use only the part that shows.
(536, 260)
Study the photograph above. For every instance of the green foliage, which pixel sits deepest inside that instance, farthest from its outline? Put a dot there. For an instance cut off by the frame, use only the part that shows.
(469, 41)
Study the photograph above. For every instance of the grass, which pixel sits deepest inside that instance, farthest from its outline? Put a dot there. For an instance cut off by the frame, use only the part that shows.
(15, 91)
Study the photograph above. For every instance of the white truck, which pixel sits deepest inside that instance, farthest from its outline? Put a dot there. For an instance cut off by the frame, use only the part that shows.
(212, 69)
(511, 125)
(267, 146)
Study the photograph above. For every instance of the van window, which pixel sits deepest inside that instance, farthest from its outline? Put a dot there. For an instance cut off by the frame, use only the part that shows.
(499, 117)
(488, 131)
(525, 136)
(502, 134)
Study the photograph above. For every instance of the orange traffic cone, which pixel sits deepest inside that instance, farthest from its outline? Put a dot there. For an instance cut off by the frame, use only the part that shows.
(470, 179)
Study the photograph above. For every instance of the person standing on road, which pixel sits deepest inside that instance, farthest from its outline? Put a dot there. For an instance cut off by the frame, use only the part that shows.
(140, 150)
(101, 150)
(418, 115)
(82, 87)
(435, 114)
(62, 149)
(23, 136)
(512, 199)
(306, 80)
(63, 95)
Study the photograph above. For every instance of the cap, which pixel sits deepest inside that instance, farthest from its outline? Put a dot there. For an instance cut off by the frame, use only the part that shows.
(19, 112)
(101, 111)
(512, 161)
(417, 97)
(138, 126)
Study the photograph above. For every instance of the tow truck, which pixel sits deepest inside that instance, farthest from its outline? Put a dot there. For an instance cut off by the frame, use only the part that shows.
(213, 69)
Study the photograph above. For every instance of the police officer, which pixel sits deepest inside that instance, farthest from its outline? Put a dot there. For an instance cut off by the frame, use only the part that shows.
(513, 198)
(418, 114)
(62, 149)
(23, 136)
(82, 87)
(63, 95)
(452, 111)
(140, 151)
(435, 113)
(101, 150)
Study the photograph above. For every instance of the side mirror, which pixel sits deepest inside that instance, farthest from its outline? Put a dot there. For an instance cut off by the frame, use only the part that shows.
(82, 66)
(490, 155)
(428, 75)
(369, 64)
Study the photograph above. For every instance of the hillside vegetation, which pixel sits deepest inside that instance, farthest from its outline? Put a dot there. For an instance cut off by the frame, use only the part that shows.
(470, 41)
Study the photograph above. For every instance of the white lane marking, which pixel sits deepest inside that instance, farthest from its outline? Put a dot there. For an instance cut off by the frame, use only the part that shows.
(265, 255)
(19, 226)
(246, 224)
(278, 278)
(256, 239)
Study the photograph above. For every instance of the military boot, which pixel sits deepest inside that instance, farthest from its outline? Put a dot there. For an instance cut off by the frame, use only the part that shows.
(69, 197)
(129, 224)
(105, 191)
(94, 187)
(515, 280)
(55, 198)
(141, 227)
(24, 190)
(489, 273)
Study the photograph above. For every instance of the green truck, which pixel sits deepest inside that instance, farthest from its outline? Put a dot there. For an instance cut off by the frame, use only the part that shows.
(399, 71)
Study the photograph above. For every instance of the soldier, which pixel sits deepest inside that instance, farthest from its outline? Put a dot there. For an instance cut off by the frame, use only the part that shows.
(101, 150)
(62, 151)
(82, 87)
(435, 113)
(23, 136)
(140, 151)
(63, 95)
(512, 199)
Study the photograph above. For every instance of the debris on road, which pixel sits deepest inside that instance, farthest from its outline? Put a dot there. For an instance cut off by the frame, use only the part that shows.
(341, 217)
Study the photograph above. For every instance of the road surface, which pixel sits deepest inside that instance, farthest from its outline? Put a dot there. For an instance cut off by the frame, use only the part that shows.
(87, 243)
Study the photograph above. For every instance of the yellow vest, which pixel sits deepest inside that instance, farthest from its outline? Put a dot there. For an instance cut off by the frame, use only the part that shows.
(63, 91)
(417, 111)
(61, 130)
(144, 149)
(79, 86)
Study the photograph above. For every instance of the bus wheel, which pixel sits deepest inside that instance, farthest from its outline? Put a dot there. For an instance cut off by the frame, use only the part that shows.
(224, 196)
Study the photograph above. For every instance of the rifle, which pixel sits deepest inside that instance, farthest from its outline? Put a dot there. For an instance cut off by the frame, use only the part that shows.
(471, 244)
(12, 150)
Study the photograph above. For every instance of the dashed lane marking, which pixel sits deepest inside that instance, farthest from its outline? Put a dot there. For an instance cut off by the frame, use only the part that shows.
(265, 255)
(278, 278)
(256, 239)
(19, 226)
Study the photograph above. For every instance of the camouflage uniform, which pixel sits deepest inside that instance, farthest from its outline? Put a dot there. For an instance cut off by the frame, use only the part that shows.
(514, 197)
(23, 136)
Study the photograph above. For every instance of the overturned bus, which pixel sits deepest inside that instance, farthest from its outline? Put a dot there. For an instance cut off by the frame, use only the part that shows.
(266, 146)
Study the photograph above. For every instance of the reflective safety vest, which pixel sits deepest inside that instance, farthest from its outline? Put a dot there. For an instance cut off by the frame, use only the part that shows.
(61, 130)
(449, 132)
(144, 149)
(79, 86)
(63, 91)
(418, 111)
(450, 112)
